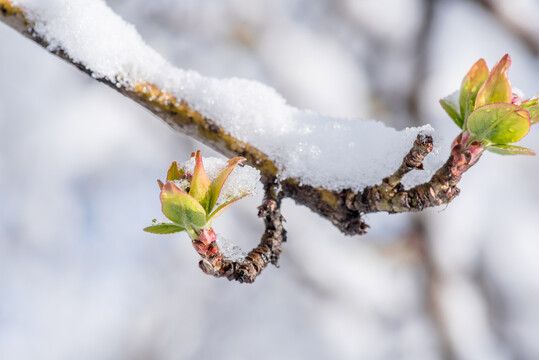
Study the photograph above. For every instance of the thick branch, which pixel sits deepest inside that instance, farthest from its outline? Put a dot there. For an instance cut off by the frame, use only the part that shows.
(342, 208)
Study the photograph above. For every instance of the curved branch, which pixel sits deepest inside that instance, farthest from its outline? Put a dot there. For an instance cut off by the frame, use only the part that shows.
(268, 251)
(342, 208)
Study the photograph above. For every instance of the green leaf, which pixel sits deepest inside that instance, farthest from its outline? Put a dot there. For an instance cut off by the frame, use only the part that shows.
(223, 207)
(497, 88)
(499, 123)
(164, 228)
(534, 113)
(530, 102)
(504, 149)
(470, 87)
(451, 109)
(219, 181)
(173, 172)
(200, 184)
(182, 208)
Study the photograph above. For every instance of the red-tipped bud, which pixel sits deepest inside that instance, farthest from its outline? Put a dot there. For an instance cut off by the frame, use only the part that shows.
(461, 140)
(207, 236)
(465, 154)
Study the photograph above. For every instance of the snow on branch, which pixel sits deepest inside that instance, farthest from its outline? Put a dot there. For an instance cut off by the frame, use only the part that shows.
(329, 164)
(318, 150)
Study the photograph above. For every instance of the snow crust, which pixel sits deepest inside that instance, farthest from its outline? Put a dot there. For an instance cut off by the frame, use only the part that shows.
(229, 250)
(319, 150)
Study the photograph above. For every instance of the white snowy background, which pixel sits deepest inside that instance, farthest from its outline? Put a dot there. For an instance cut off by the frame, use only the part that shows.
(78, 164)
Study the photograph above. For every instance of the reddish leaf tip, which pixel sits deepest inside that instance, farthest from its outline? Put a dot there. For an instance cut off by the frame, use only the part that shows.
(169, 187)
(497, 87)
(200, 182)
(236, 160)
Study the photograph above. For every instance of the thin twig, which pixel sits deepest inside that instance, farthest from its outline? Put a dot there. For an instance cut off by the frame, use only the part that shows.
(440, 189)
(268, 251)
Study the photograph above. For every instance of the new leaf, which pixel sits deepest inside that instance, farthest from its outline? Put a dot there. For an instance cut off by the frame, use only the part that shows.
(173, 172)
(452, 110)
(200, 184)
(499, 123)
(182, 208)
(219, 181)
(497, 88)
(504, 149)
(164, 228)
(534, 113)
(471, 84)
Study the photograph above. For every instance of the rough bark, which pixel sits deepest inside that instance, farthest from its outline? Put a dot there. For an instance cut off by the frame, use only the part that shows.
(268, 251)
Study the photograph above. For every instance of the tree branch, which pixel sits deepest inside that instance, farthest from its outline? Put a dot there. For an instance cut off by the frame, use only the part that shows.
(342, 208)
(268, 251)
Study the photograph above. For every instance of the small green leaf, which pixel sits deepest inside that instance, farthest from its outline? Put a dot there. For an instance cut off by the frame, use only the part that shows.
(451, 109)
(504, 149)
(223, 207)
(499, 123)
(530, 102)
(497, 88)
(219, 181)
(173, 172)
(182, 208)
(200, 184)
(534, 113)
(470, 87)
(164, 228)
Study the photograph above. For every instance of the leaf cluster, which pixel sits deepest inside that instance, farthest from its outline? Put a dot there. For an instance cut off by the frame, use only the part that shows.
(489, 110)
(192, 209)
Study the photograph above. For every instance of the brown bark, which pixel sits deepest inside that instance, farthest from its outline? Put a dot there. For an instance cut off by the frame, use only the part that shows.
(268, 251)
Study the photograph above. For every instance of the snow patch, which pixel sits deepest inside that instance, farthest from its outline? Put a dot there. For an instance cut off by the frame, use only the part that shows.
(319, 150)
(229, 250)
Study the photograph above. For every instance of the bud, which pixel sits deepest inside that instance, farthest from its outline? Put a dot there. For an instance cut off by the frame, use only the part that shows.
(200, 247)
(207, 236)
(476, 148)
(465, 154)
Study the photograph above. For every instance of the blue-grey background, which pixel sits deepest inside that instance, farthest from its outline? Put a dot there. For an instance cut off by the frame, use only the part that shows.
(78, 164)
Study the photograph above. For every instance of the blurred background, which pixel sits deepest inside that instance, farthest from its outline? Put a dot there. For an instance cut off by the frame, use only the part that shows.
(79, 279)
